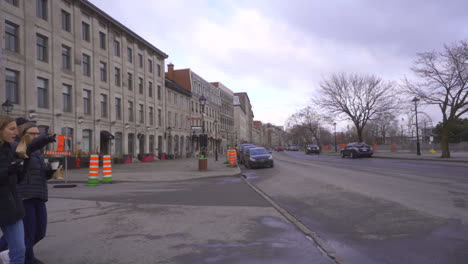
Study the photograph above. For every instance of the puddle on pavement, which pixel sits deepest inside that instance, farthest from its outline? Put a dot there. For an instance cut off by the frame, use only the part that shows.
(249, 175)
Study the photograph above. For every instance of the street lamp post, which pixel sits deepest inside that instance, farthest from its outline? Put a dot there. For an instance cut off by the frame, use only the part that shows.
(7, 106)
(216, 139)
(169, 138)
(418, 147)
(334, 125)
(202, 101)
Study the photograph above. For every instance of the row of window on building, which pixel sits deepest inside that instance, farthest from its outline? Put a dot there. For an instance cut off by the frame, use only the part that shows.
(12, 37)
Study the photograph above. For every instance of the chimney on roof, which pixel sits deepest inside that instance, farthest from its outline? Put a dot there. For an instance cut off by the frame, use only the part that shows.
(170, 71)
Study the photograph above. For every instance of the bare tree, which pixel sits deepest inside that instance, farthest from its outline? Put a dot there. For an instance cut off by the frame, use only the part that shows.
(385, 123)
(309, 119)
(357, 97)
(443, 82)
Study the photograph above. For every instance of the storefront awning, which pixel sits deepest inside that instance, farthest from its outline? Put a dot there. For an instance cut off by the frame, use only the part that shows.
(106, 135)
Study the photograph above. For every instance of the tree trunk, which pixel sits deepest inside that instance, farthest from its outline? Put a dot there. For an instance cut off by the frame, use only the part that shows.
(359, 134)
(445, 141)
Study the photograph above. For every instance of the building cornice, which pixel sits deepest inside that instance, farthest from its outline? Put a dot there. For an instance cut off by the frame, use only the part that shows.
(116, 23)
(177, 88)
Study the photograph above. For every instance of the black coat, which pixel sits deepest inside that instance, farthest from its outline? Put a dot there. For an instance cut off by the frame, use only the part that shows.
(36, 173)
(11, 206)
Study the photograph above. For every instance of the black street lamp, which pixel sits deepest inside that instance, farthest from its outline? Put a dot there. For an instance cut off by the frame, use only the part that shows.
(216, 138)
(418, 146)
(202, 101)
(336, 149)
(7, 106)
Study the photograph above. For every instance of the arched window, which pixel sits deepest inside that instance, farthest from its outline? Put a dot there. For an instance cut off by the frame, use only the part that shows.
(151, 144)
(86, 143)
(131, 144)
(118, 143)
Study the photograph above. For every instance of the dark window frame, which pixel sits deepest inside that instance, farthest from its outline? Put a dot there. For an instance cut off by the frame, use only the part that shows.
(67, 97)
(116, 48)
(117, 76)
(66, 57)
(87, 102)
(11, 36)
(66, 20)
(102, 40)
(86, 65)
(103, 71)
(85, 31)
(104, 105)
(42, 93)
(12, 86)
(41, 9)
(42, 45)
(118, 108)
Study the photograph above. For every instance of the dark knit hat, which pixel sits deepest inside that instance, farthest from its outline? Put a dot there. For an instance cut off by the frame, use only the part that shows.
(21, 120)
(24, 124)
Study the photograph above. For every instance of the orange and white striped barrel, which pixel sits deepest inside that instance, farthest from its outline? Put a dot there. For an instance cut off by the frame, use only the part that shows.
(107, 169)
(93, 176)
(232, 157)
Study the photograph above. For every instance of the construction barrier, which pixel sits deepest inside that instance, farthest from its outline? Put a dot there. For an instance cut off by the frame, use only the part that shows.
(58, 153)
(232, 156)
(107, 169)
(93, 175)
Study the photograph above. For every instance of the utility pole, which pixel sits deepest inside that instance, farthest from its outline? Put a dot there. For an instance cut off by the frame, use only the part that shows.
(418, 146)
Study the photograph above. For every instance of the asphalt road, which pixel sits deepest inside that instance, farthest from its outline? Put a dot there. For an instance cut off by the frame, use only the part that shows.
(213, 220)
(375, 210)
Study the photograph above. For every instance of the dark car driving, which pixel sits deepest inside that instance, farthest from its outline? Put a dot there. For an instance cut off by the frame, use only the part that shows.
(242, 154)
(258, 157)
(312, 148)
(356, 150)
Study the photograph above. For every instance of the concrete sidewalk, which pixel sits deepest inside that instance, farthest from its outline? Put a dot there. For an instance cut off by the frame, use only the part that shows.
(160, 170)
(455, 156)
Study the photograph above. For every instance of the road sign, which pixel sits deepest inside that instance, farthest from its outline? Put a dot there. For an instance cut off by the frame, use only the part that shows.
(197, 128)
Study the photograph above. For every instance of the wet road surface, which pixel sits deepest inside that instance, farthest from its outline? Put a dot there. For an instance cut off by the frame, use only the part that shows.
(375, 210)
(213, 220)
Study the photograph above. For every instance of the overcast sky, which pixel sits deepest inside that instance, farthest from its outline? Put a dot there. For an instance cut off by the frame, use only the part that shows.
(278, 51)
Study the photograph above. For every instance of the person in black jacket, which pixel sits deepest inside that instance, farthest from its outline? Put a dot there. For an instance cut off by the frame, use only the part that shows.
(32, 189)
(11, 206)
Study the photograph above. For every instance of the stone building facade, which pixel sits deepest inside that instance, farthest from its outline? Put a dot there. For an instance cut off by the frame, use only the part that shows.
(243, 114)
(77, 71)
(178, 132)
(226, 115)
(200, 118)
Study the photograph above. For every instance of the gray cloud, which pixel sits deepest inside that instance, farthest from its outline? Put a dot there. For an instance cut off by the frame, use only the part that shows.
(309, 39)
(405, 27)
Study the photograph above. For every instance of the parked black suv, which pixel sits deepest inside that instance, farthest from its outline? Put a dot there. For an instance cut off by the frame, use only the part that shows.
(312, 148)
(356, 150)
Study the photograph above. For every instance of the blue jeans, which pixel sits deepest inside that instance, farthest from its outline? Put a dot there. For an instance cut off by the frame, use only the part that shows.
(35, 225)
(14, 236)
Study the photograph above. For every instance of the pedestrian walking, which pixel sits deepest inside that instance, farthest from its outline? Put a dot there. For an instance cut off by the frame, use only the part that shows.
(11, 209)
(32, 189)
